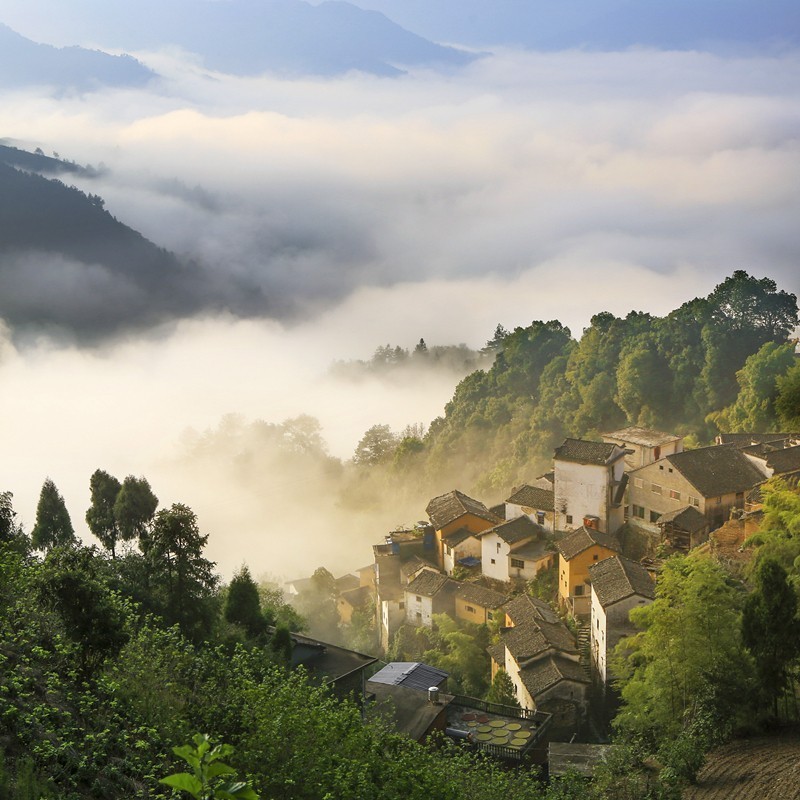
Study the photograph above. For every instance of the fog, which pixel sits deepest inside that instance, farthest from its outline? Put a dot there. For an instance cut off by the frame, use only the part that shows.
(369, 211)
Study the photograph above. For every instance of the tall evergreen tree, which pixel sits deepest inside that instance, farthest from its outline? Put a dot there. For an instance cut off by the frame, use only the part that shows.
(100, 516)
(53, 524)
(243, 604)
(134, 509)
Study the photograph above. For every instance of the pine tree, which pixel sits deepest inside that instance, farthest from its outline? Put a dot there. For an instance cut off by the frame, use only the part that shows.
(53, 525)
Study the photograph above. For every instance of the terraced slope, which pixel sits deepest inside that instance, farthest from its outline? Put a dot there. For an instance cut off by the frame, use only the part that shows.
(766, 768)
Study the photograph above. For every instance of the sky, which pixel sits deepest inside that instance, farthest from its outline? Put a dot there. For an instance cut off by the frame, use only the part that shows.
(374, 210)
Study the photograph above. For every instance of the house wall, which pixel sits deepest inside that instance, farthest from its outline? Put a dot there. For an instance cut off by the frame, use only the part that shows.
(670, 483)
(468, 521)
(566, 690)
(645, 454)
(585, 490)
(522, 694)
(478, 613)
(541, 517)
(419, 611)
(574, 573)
(451, 556)
(532, 567)
(494, 557)
(608, 627)
(392, 616)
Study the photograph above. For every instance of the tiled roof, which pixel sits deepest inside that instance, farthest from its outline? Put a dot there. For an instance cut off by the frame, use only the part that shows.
(583, 538)
(614, 579)
(346, 583)
(516, 530)
(525, 642)
(642, 436)
(411, 674)
(784, 461)
(545, 673)
(427, 583)
(497, 652)
(414, 565)
(480, 595)
(747, 439)
(531, 550)
(499, 510)
(456, 537)
(525, 609)
(587, 452)
(687, 518)
(533, 497)
(447, 508)
(359, 597)
(716, 470)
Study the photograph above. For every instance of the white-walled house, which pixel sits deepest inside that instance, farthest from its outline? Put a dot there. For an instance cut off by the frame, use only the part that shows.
(459, 545)
(534, 502)
(618, 586)
(589, 485)
(516, 548)
(428, 594)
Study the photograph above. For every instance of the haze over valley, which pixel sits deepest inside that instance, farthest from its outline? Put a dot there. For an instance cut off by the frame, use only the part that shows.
(433, 187)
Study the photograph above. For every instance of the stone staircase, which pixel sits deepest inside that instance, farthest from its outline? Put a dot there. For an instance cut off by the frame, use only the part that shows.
(584, 643)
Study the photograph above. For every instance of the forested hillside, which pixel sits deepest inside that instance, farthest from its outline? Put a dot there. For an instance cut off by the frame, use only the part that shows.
(677, 373)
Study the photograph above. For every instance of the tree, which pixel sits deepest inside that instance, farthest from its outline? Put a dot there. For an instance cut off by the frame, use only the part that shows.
(134, 509)
(502, 690)
(787, 403)
(421, 349)
(496, 342)
(10, 530)
(100, 516)
(771, 630)
(376, 446)
(53, 526)
(185, 578)
(243, 605)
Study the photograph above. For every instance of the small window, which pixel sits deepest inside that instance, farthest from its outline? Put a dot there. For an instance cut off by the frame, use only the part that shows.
(674, 495)
(661, 467)
(638, 483)
(693, 501)
(470, 609)
(579, 590)
(670, 469)
(517, 563)
(719, 501)
(638, 512)
(493, 561)
(419, 599)
(655, 488)
(654, 515)
(595, 556)
(498, 547)
(402, 606)
(418, 615)
(540, 517)
(490, 615)
(569, 519)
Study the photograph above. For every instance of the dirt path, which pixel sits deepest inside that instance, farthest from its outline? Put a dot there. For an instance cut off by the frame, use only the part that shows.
(766, 768)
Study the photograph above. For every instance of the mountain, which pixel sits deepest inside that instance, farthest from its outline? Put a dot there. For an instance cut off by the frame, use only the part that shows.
(600, 24)
(67, 264)
(26, 63)
(244, 37)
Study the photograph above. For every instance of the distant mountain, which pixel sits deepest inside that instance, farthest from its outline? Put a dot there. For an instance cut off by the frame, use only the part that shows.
(247, 36)
(26, 63)
(600, 24)
(67, 264)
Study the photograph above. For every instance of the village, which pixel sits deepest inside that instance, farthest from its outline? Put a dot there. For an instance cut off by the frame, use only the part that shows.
(598, 526)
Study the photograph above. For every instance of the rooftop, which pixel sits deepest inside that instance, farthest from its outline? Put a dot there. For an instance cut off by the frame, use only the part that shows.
(411, 674)
(715, 470)
(585, 452)
(687, 519)
(533, 497)
(516, 530)
(458, 536)
(414, 564)
(747, 439)
(447, 508)
(545, 673)
(326, 662)
(584, 538)
(428, 583)
(480, 595)
(645, 437)
(616, 578)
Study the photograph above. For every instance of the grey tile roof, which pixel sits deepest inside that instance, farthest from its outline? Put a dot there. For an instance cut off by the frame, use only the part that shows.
(614, 579)
(497, 652)
(642, 436)
(414, 565)
(428, 583)
(358, 598)
(533, 497)
(585, 452)
(516, 530)
(716, 470)
(447, 508)
(545, 673)
(526, 609)
(688, 519)
(480, 595)
(457, 537)
(583, 538)
(531, 550)
(537, 628)
(411, 674)
(748, 439)
(784, 461)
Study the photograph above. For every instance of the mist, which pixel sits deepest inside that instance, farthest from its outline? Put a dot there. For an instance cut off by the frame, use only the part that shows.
(369, 211)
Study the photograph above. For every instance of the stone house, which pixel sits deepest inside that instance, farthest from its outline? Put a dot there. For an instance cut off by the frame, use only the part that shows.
(589, 486)
(428, 594)
(515, 549)
(644, 445)
(534, 502)
(618, 585)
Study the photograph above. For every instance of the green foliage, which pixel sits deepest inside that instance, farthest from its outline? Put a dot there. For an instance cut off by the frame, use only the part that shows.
(502, 690)
(100, 517)
(243, 604)
(53, 526)
(545, 585)
(376, 446)
(203, 783)
(134, 508)
(11, 532)
(787, 403)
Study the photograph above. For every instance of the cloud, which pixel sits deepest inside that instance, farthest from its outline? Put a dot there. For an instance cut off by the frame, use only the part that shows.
(367, 211)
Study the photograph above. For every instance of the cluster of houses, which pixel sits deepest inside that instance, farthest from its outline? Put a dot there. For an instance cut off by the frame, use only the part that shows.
(474, 562)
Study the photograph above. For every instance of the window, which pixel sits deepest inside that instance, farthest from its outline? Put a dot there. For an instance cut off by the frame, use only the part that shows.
(418, 615)
(654, 515)
(419, 599)
(498, 547)
(670, 469)
(674, 495)
(578, 590)
(470, 609)
(595, 557)
(655, 488)
(718, 501)
(540, 517)
(638, 483)
(693, 501)
(493, 561)
(402, 606)
(638, 512)
(661, 467)
(490, 615)
(569, 519)
(517, 563)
